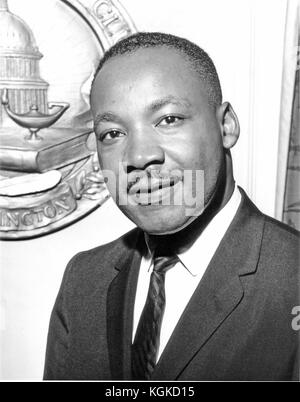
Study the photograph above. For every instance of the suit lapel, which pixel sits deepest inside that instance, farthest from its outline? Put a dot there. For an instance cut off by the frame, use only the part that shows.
(218, 293)
(120, 305)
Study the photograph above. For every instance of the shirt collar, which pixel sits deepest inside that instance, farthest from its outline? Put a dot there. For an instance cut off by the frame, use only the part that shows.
(207, 243)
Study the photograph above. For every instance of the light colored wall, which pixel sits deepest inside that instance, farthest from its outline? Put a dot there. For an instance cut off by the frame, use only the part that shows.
(31, 273)
(245, 38)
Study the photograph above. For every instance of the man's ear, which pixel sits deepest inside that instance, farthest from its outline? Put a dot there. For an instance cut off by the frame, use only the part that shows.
(229, 125)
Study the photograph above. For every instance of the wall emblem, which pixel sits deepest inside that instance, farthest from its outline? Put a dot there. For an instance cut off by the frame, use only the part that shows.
(49, 172)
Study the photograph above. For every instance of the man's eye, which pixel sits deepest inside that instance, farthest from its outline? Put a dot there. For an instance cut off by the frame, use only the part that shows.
(111, 135)
(170, 120)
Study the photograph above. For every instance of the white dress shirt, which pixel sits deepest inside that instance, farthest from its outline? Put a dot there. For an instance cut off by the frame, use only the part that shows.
(182, 280)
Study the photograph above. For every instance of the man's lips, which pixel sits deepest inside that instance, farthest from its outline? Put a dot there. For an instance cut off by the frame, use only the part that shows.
(151, 185)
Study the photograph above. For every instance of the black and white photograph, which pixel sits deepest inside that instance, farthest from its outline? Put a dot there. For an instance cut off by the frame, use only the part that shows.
(150, 193)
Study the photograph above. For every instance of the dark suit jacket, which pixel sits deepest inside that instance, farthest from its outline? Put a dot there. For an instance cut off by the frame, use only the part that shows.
(237, 325)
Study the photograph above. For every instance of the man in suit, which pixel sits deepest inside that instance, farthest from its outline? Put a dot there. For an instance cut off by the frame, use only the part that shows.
(204, 287)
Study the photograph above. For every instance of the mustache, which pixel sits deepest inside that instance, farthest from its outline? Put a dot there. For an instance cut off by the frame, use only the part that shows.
(153, 179)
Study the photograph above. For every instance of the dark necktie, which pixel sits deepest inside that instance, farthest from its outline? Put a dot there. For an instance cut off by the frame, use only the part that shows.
(146, 341)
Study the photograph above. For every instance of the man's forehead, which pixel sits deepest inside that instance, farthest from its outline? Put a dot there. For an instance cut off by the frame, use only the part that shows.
(157, 74)
(166, 71)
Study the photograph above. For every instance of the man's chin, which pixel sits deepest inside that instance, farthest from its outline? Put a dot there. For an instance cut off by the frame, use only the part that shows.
(171, 229)
(163, 222)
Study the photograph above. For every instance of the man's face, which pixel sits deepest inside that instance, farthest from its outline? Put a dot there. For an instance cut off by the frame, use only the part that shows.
(153, 122)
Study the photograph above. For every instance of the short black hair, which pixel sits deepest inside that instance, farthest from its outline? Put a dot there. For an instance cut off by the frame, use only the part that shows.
(198, 59)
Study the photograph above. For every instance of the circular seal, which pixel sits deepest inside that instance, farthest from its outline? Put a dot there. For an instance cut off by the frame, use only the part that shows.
(49, 171)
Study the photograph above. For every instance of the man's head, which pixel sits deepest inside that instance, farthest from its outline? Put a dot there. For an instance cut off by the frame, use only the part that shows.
(158, 117)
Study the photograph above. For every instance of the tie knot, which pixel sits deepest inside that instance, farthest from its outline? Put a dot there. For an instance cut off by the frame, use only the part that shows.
(163, 263)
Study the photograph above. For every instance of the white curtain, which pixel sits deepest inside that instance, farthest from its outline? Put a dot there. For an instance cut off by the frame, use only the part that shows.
(287, 206)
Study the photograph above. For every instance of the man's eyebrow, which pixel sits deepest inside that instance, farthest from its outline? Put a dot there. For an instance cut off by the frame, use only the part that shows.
(160, 103)
(154, 106)
(106, 117)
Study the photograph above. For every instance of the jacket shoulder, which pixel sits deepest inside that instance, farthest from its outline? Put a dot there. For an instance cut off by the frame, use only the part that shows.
(282, 234)
(109, 251)
(280, 255)
(93, 267)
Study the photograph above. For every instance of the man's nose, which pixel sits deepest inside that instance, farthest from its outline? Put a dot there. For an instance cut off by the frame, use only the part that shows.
(143, 149)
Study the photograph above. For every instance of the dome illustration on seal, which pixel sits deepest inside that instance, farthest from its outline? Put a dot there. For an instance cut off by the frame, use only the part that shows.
(19, 66)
